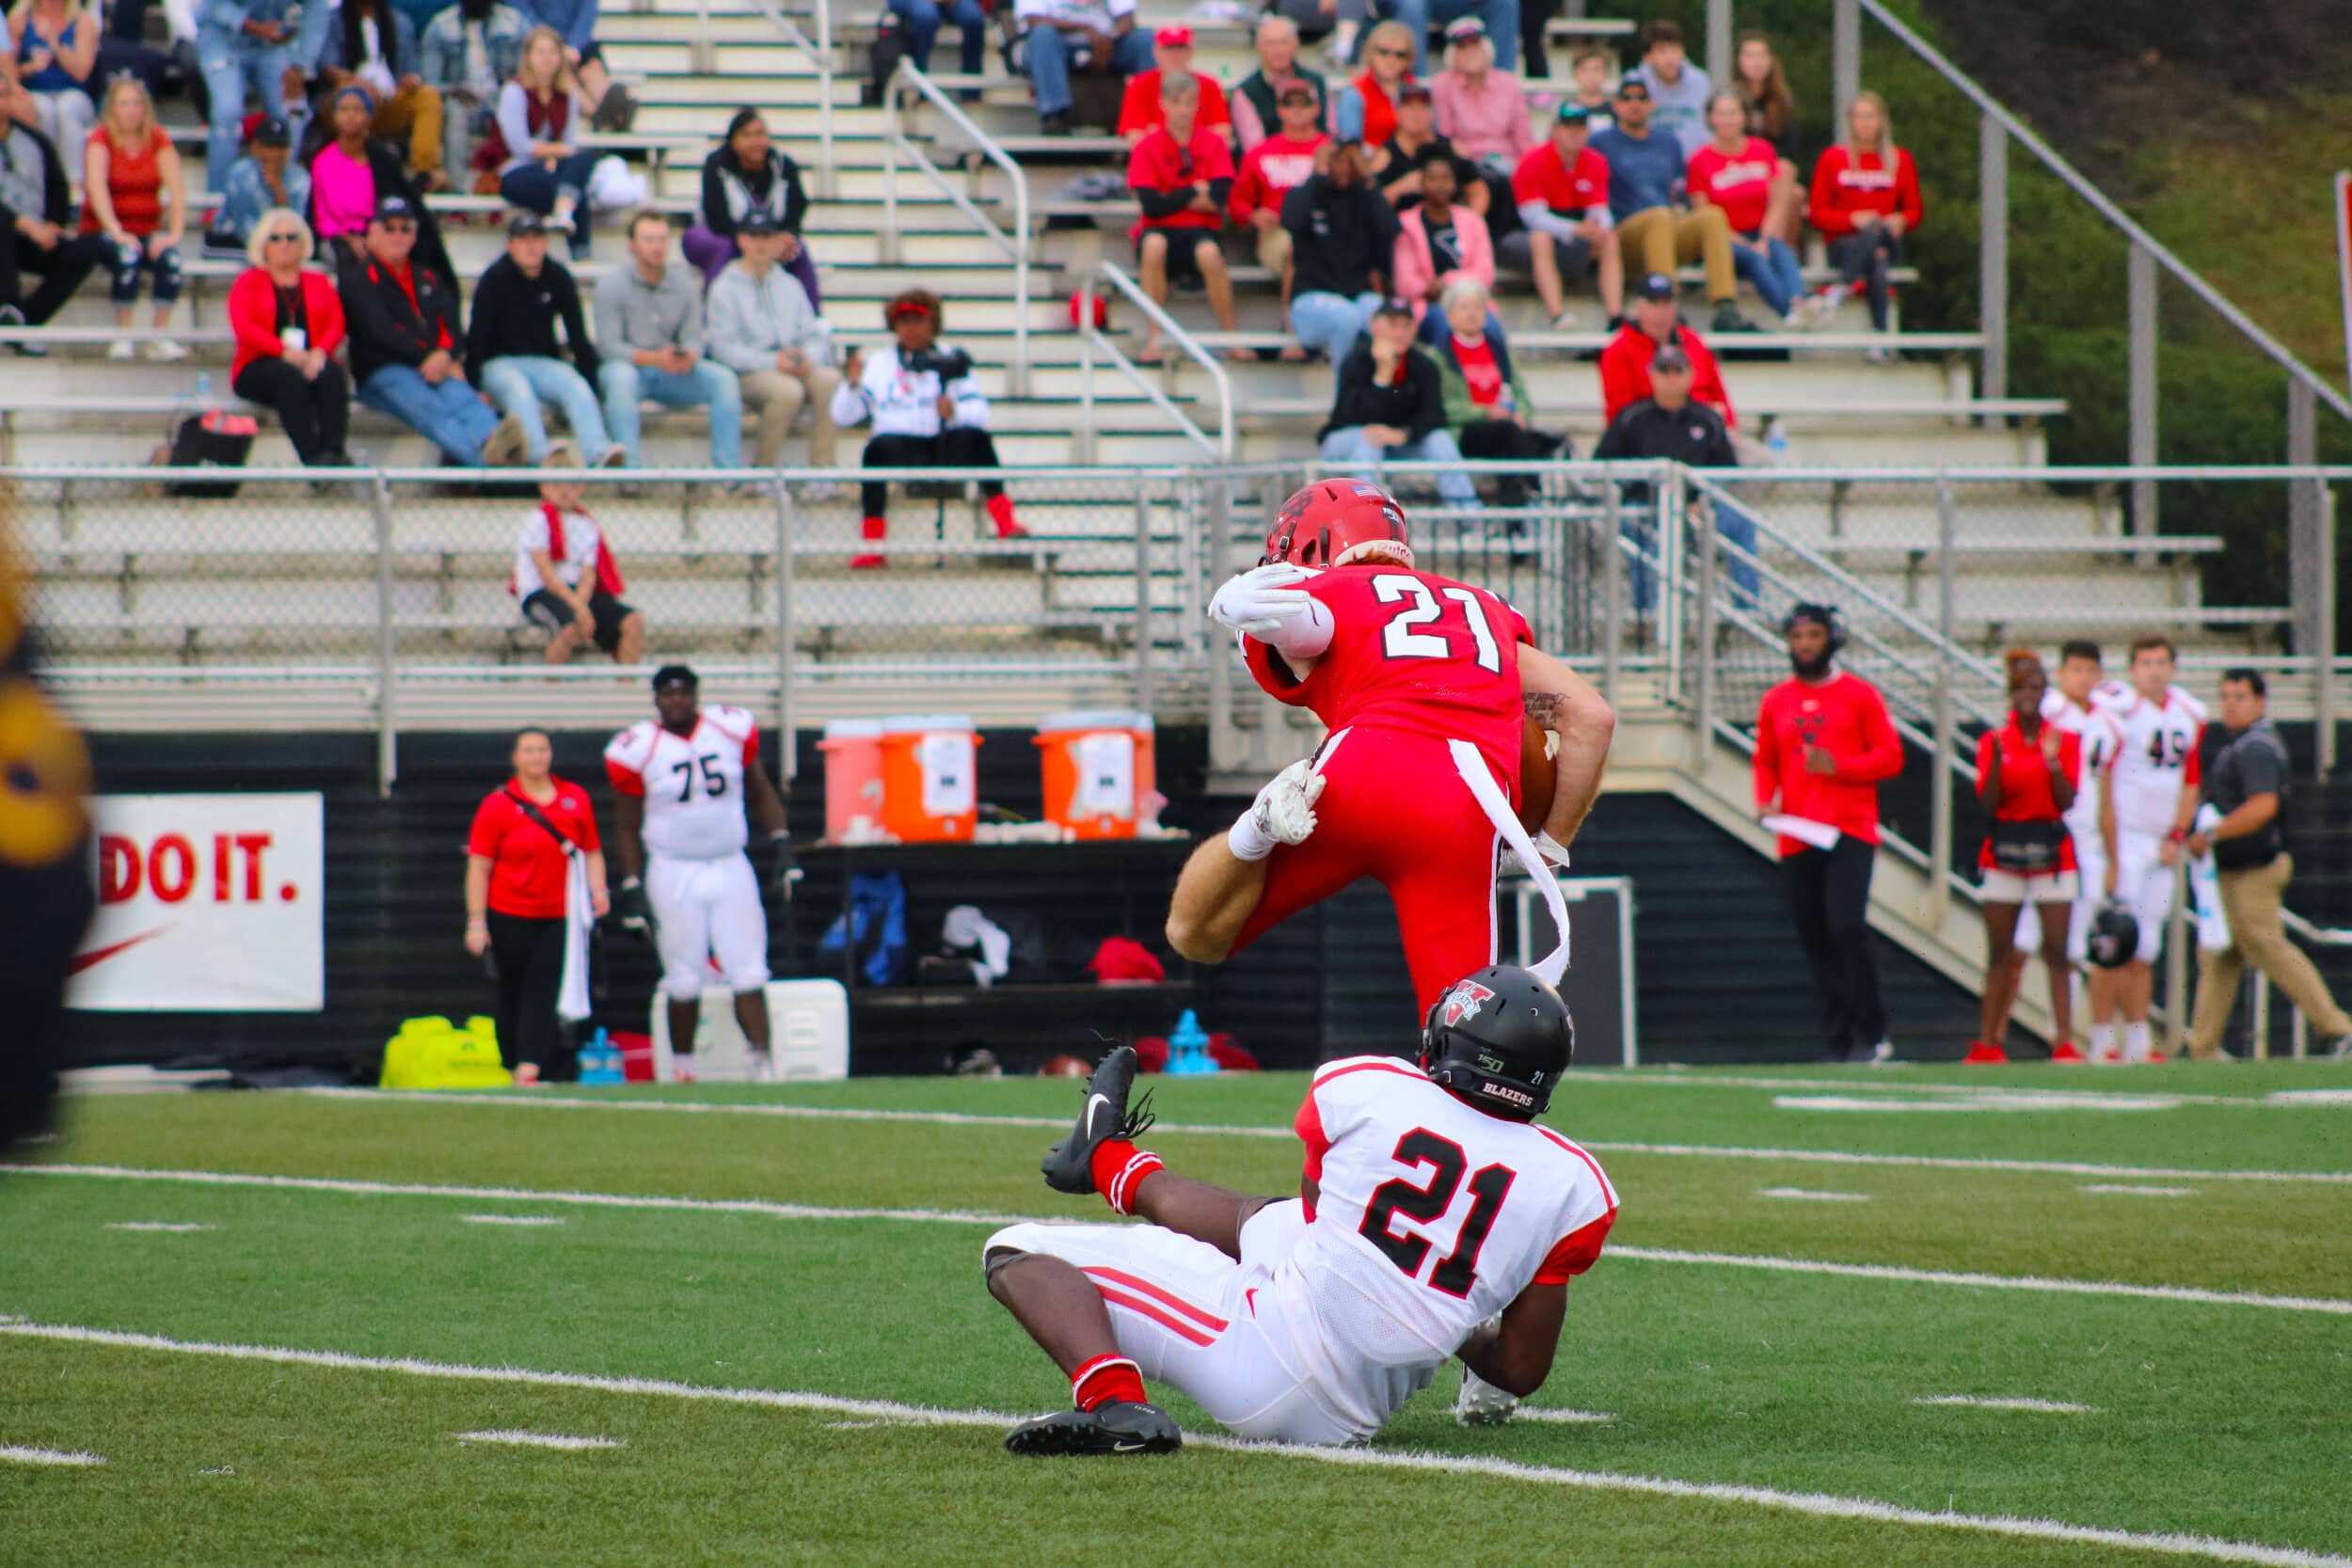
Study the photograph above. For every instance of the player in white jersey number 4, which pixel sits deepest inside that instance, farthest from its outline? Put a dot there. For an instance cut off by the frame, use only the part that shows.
(1435, 1219)
(684, 781)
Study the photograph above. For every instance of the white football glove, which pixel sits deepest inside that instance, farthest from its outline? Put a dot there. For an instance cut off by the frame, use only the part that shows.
(1262, 599)
(1483, 1404)
(1285, 808)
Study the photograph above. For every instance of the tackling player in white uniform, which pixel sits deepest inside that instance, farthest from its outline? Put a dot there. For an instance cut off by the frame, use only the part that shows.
(2154, 788)
(684, 782)
(1431, 1205)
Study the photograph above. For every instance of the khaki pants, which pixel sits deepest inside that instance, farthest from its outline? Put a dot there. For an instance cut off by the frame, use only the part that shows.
(1659, 239)
(417, 111)
(1274, 250)
(776, 398)
(2250, 898)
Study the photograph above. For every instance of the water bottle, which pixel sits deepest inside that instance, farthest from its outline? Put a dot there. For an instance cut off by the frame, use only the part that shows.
(1188, 1047)
(1776, 442)
(204, 391)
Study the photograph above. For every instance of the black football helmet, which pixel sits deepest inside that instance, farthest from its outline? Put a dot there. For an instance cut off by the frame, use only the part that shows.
(1499, 1038)
(2113, 940)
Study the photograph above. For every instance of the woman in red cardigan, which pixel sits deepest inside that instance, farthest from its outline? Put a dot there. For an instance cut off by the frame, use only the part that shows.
(1864, 200)
(289, 324)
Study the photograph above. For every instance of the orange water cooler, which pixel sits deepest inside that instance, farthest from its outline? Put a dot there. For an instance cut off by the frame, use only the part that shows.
(1101, 775)
(929, 784)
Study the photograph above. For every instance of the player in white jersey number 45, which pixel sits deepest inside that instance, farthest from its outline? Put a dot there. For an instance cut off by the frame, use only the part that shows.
(1435, 1219)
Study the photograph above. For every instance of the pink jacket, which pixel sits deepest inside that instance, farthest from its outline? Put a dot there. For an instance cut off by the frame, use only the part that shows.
(1415, 268)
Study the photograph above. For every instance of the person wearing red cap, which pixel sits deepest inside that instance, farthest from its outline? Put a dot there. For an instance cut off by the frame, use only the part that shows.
(1139, 105)
(928, 411)
(1270, 170)
(1181, 175)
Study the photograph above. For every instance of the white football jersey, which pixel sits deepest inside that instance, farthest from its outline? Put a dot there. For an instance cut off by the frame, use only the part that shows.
(692, 784)
(2157, 759)
(1430, 1217)
(2102, 739)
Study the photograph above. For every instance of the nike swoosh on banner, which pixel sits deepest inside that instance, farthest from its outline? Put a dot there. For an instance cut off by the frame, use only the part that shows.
(91, 960)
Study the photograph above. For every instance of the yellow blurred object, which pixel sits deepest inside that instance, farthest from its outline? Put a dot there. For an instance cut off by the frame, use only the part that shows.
(433, 1054)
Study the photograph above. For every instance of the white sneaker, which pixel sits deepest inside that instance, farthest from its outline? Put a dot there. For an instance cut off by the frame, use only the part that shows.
(167, 351)
(122, 348)
(1284, 811)
(1564, 322)
(1480, 1403)
(760, 1066)
(820, 492)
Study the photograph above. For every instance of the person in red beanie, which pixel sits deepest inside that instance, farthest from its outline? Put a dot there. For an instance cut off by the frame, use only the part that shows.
(928, 409)
(1824, 745)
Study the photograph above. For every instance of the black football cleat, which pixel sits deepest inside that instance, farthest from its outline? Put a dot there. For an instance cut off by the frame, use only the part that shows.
(1116, 1427)
(1068, 1165)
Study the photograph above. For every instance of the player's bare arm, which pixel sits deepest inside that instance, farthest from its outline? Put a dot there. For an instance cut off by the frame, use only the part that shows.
(1515, 1356)
(1220, 885)
(1559, 699)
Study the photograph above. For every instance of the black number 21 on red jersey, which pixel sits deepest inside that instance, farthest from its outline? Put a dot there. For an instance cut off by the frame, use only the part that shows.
(1459, 1271)
(1398, 640)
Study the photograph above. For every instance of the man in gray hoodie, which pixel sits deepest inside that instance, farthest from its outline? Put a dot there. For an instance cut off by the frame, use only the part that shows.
(763, 328)
(649, 345)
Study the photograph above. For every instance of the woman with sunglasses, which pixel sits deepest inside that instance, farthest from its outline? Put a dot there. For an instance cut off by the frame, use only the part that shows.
(288, 323)
(1365, 109)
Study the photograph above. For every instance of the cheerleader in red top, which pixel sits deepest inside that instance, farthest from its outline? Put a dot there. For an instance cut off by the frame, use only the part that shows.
(566, 576)
(2026, 773)
(1864, 200)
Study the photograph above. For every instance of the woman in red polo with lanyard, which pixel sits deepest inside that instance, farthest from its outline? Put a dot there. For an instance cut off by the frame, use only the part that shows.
(2026, 773)
(520, 905)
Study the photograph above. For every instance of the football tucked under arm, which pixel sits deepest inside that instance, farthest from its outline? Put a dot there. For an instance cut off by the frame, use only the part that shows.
(1560, 791)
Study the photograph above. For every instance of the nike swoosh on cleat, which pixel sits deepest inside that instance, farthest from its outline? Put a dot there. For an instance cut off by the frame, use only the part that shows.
(1126, 1447)
(1093, 1101)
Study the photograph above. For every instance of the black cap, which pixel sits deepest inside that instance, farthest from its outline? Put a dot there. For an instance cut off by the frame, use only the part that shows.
(1573, 113)
(1669, 358)
(1394, 307)
(1810, 613)
(1657, 286)
(1633, 87)
(1414, 92)
(758, 222)
(272, 132)
(677, 674)
(525, 223)
(393, 207)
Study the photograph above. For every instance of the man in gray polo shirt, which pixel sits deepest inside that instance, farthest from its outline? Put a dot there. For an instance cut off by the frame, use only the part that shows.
(2247, 786)
(649, 345)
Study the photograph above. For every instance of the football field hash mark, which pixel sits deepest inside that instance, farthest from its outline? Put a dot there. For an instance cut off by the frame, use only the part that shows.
(178, 1227)
(512, 1219)
(2128, 1187)
(1810, 1196)
(13, 1455)
(1564, 1418)
(2054, 1407)
(511, 1439)
(1814, 1503)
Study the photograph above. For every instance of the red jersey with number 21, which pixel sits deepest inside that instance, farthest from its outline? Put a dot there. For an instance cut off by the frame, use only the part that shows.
(1416, 651)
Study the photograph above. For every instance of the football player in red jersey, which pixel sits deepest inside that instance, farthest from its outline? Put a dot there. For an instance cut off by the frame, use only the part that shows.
(1426, 685)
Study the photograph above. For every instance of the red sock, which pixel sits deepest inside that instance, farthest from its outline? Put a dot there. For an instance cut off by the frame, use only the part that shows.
(1104, 1379)
(874, 527)
(1120, 1168)
(1000, 513)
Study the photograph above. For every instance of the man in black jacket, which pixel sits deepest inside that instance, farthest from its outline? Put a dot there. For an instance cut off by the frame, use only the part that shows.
(1667, 424)
(513, 352)
(1389, 407)
(1343, 235)
(405, 343)
(36, 221)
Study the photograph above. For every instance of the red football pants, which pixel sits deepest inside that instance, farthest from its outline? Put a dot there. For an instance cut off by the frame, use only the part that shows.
(1395, 808)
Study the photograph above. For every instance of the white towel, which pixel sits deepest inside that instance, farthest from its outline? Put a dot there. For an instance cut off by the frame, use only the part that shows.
(571, 1002)
(1497, 806)
(2204, 889)
(966, 926)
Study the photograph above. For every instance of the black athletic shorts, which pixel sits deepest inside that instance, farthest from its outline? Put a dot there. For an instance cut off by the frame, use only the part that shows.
(1184, 266)
(547, 608)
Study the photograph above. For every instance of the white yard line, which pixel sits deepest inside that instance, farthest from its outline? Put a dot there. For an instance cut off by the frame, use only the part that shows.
(512, 1219)
(2125, 1187)
(178, 1227)
(513, 1438)
(2051, 1407)
(953, 1217)
(1564, 1418)
(961, 1118)
(2039, 1101)
(1808, 1195)
(1813, 1503)
(11, 1454)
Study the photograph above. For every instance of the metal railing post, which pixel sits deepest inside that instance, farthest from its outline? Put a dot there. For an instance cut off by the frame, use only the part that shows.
(1143, 600)
(1992, 254)
(1673, 491)
(893, 132)
(2140, 291)
(1612, 589)
(2324, 645)
(784, 627)
(1845, 56)
(830, 176)
(706, 62)
(1719, 41)
(2307, 563)
(1703, 541)
(1947, 717)
(386, 644)
(1219, 528)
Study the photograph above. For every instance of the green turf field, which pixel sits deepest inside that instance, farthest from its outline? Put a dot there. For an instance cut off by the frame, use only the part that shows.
(768, 1303)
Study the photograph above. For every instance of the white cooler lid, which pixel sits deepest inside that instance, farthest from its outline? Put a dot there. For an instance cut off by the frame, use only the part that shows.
(1094, 718)
(853, 729)
(910, 724)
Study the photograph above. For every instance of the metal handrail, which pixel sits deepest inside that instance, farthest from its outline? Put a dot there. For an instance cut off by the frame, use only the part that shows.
(1990, 107)
(818, 50)
(2318, 936)
(1015, 246)
(1092, 338)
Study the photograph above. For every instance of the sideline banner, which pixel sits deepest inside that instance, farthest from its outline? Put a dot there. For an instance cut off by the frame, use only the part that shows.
(205, 903)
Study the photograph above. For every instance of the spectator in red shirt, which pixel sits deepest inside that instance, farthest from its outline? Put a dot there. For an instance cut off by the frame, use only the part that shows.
(1276, 165)
(1736, 171)
(1625, 363)
(1824, 745)
(1139, 111)
(1182, 174)
(1561, 190)
(521, 889)
(2026, 773)
(289, 326)
(1365, 109)
(1864, 200)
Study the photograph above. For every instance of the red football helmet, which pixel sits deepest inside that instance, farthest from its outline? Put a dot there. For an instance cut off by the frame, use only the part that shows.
(1335, 521)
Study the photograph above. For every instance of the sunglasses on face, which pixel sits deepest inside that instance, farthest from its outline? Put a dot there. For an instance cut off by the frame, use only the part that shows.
(285, 239)
(1394, 53)
(398, 226)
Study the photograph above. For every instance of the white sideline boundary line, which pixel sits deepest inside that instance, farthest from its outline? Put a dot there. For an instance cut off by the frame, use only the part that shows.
(2125, 1188)
(2051, 1407)
(527, 1220)
(519, 1439)
(11, 1454)
(175, 1228)
(968, 1118)
(953, 1217)
(1563, 1418)
(1815, 1503)
(1811, 1194)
